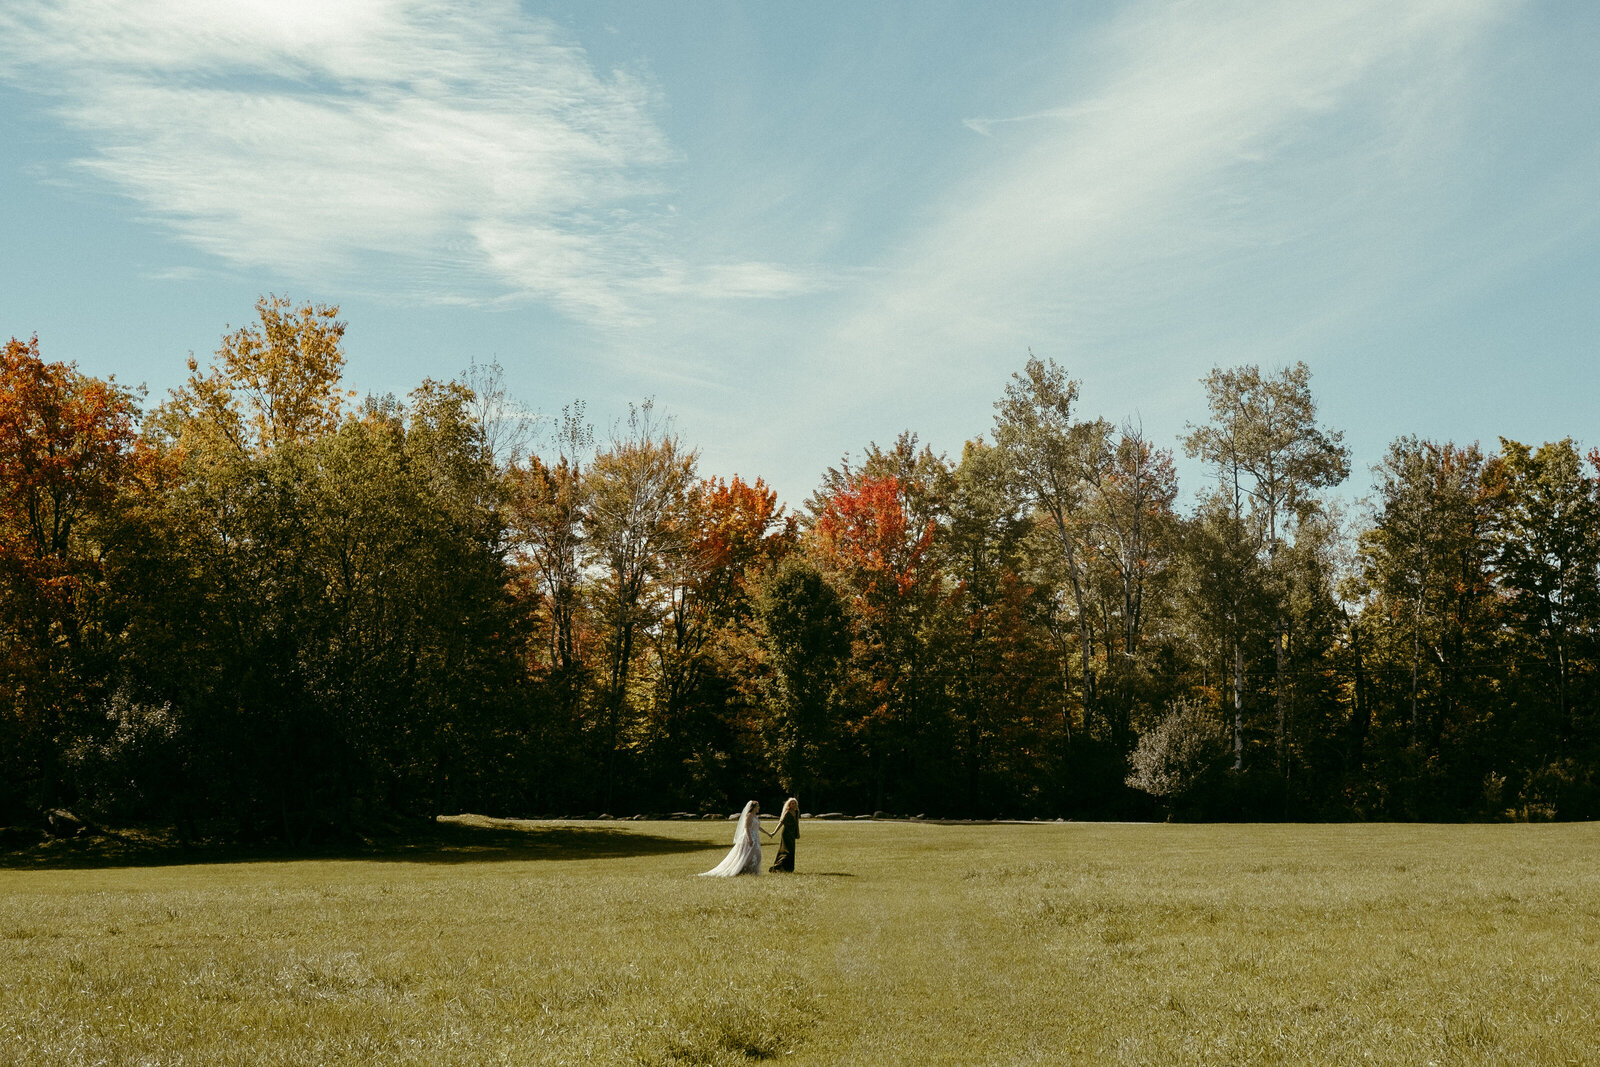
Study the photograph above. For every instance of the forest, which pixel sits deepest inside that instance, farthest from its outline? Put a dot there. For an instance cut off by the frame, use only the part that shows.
(267, 609)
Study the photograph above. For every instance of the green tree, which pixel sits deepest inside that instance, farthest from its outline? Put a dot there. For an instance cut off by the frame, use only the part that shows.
(1426, 555)
(1001, 665)
(1057, 458)
(805, 631)
(338, 593)
(1271, 458)
(1129, 528)
(1548, 560)
(1223, 594)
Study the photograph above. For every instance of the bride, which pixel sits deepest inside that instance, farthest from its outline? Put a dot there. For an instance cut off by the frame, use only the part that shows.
(745, 855)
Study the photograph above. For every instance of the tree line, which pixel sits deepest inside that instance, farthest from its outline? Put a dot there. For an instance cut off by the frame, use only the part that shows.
(262, 609)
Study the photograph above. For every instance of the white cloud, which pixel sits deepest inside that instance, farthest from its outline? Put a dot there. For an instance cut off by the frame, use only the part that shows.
(460, 151)
(173, 274)
(1217, 132)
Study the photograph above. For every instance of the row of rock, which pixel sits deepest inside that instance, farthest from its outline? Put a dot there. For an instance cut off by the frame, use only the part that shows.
(689, 815)
(835, 815)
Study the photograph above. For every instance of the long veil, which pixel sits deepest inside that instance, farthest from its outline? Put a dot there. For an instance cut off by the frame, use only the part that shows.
(742, 835)
(745, 855)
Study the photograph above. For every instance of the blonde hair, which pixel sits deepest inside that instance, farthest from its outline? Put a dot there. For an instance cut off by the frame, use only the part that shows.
(792, 804)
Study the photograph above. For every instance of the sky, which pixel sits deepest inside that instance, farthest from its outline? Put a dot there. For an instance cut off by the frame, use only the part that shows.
(802, 228)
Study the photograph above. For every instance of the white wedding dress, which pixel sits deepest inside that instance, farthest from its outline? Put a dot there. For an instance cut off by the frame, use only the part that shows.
(745, 855)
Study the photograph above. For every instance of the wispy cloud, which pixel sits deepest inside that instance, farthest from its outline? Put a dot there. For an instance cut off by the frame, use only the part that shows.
(173, 274)
(1212, 134)
(455, 152)
(986, 127)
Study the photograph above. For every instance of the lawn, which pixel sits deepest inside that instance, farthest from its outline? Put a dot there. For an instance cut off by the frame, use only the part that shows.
(898, 943)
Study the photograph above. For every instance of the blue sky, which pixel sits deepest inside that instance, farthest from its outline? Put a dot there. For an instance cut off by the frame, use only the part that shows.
(801, 228)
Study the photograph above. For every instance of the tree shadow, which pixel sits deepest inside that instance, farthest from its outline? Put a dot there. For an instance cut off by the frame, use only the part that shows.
(457, 839)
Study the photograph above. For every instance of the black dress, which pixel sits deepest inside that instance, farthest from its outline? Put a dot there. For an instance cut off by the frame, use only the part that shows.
(788, 832)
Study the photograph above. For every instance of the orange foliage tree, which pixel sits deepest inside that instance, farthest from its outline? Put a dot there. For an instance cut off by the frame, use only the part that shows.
(67, 449)
(275, 382)
(734, 531)
(875, 531)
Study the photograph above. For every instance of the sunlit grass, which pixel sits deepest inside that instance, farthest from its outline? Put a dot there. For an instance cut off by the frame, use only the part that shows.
(899, 943)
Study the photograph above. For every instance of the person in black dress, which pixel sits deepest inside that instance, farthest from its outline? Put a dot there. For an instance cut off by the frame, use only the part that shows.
(788, 831)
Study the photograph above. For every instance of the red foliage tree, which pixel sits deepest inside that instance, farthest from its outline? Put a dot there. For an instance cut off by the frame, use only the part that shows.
(871, 533)
(67, 449)
(867, 533)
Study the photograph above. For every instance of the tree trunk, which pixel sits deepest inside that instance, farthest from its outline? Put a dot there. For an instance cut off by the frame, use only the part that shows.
(1416, 661)
(1561, 690)
(1238, 705)
(1363, 711)
(1089, 698)
(1280, 641)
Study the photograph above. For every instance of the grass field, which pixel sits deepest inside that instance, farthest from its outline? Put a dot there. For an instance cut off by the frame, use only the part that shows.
(898, 943)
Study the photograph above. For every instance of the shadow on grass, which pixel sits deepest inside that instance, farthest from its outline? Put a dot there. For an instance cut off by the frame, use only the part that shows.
(468, 839)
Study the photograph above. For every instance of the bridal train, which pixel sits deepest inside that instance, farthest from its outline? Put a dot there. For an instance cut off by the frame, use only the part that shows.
(745, 855)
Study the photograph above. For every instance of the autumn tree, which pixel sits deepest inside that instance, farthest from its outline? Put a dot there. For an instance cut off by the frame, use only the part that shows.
(873, 529)
(68, 451)
(636, 523)
(1271, 457)
(546, 509)
(732, 531)
(702, 725)
(274, 382)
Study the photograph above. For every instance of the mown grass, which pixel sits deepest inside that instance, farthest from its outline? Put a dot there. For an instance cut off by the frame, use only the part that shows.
(899, 943)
